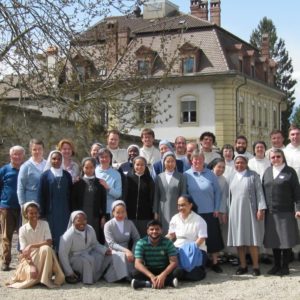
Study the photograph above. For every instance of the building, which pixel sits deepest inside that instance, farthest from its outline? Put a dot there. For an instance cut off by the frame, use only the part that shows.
(195, 75)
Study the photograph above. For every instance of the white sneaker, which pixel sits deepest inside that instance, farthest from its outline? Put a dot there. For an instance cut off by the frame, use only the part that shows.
(175, 283)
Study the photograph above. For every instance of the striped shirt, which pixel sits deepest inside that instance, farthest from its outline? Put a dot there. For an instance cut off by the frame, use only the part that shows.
(155, 257)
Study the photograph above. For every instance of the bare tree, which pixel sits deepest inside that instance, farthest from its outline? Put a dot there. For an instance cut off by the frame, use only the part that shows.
(53, 53)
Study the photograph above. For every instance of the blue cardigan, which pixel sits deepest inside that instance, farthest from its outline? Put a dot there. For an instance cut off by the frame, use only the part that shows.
(28, 182)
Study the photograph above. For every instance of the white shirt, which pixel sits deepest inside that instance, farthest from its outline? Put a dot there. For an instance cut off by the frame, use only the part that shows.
(120, 156)
(277, 169)
(292, 156)
(188, 230)
(28, 235)
(152, 155)
(259, 165)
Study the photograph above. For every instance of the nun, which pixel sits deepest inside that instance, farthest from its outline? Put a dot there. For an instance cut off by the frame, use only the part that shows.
(121, 235)
(82, 257)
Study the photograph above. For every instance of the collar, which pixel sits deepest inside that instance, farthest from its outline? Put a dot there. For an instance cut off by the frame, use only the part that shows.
(149, 241)
(29, 228)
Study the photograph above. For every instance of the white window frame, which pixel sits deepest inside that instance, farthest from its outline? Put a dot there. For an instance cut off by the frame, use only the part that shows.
(188, 98)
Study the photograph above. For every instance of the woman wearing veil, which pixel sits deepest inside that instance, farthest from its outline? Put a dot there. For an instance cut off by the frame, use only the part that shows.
(54, 196)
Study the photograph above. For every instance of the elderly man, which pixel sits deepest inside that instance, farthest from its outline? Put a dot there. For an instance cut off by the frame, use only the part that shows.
(9, 204)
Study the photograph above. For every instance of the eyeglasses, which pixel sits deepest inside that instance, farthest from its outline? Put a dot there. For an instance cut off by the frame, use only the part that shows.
(275, 156)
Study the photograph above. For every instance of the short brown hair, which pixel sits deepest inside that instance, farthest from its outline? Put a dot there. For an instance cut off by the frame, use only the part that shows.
(147, 131)
(113, 131)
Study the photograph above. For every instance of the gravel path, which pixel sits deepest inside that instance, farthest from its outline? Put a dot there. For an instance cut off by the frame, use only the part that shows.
(215, 286)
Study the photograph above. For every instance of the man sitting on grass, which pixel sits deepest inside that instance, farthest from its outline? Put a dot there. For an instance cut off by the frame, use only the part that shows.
(155, 260)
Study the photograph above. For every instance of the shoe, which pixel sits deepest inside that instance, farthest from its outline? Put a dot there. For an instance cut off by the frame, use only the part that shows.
(265, 260)
(175, 283)
(275, 270)
(241, 271)
(216, 268)
(256, 272)
(234, 261)
(135, 284)
(5, 267)
(284, 271)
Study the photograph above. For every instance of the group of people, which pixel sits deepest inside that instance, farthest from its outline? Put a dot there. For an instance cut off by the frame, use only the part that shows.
(148, 215)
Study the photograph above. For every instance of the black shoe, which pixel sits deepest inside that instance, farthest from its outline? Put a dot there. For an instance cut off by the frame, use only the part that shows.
(256, 272)
(299, 256)
(275, 270)
(135, 284)
(5, 267)
(216, 268)
(241, 271)
(265, 260)
(284, 271)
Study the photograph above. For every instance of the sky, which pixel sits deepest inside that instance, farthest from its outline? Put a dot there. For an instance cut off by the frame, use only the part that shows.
(242, 17)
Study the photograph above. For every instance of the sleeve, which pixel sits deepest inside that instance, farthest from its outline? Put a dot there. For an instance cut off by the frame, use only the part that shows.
(94, 242)
(172, 225)
(259, 193)
(22, 179)
(156, 195)
(134, 233)
(75, 194)
(171, 249)
(103, 201)
(110, 239)
(1, 181)
(43, 195)
(139, 250)
(295, 189)
(202, 229)
(22, 238)
(64, 251)
(217, 192)
(47, 232)
(182, 185)
(224, 198)
(116, 188)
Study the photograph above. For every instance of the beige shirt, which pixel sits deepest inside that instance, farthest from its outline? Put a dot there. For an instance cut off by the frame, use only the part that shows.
(28, 235)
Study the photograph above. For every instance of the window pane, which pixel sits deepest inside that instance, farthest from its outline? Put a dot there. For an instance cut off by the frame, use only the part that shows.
(188, 111)
(188, 65)
(143, 66)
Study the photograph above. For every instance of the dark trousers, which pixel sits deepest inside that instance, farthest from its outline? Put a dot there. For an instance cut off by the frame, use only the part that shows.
(9, 220)
(141, 276)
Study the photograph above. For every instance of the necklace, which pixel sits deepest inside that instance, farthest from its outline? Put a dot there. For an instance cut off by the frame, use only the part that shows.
(58, 181)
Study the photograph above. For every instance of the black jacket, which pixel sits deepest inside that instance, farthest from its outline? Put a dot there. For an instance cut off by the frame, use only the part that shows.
(139, 196)
(283, 192)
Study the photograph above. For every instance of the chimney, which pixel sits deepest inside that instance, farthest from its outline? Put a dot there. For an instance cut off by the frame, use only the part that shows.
(199, 9)
(215, 12)
(265, 46)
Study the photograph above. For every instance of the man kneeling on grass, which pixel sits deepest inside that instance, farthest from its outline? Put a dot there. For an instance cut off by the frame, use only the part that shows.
(155, 260)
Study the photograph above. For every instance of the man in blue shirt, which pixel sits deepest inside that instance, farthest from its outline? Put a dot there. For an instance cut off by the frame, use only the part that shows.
(9, 204)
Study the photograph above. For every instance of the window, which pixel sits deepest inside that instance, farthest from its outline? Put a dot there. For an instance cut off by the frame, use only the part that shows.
(253, 115)
(81, 74)
(259, 116)
(275, 125)
(145, 113)
(144, 67)
(241, 67)
(266, 117)
(188, 65)
(188, 111)
(103, 115)
(252, 71)
(241, 112)
(190, 58)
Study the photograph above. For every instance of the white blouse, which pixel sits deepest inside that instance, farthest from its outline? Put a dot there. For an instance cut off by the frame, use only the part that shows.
(188, 230)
